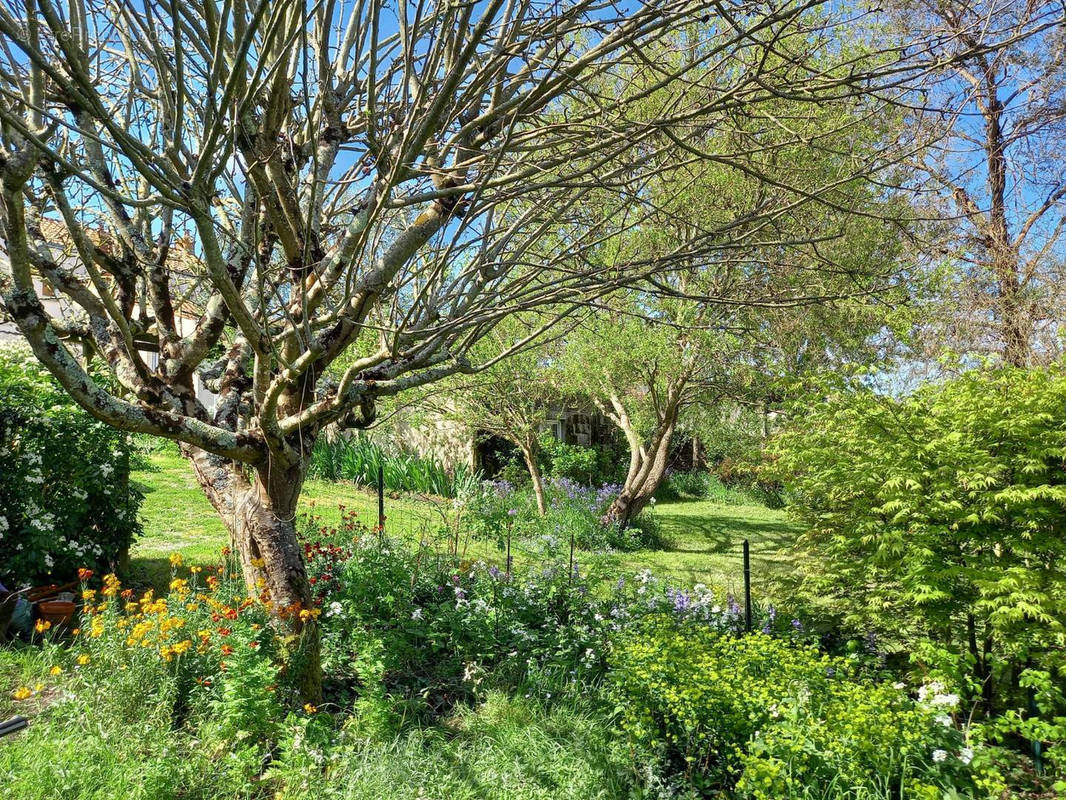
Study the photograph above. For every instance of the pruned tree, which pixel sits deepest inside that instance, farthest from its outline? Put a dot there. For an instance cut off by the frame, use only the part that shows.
(314, 206)
(512, 397)
(992, 121)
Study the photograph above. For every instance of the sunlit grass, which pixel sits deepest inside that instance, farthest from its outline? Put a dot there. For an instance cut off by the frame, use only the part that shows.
(704, 538)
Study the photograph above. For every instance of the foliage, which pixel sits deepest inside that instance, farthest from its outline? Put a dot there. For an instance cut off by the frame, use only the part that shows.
(357, 459)
(591, 466)
(774, 719)
(575, 512)
(65, 500)
(937, 519)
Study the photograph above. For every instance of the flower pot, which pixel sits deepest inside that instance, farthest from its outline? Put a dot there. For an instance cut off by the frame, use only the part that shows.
(58, 612)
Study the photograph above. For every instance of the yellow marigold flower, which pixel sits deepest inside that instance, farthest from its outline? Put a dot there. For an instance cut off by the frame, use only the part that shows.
(88, 595)
(56, 670)
(176, 560)
(84, 659)
(195, 570)
(39, 687)
(76, 631)
(182, 646)
(258, 563)
(191, 606)
(42, 625)
(22, 693)
(310, 709)
(180, 586)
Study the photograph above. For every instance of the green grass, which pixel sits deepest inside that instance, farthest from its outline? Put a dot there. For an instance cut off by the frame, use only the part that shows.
(178, 519)
(705, 538)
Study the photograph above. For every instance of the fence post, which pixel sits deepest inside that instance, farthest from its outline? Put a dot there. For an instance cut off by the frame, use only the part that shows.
(747, 587)
(381, 499)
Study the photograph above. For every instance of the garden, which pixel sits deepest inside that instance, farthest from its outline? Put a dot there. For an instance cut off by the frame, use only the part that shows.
(532, 400)
(476, 649)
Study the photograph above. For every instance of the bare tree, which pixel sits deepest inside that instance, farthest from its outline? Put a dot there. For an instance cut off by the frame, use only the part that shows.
(995, 121)
(317, 205)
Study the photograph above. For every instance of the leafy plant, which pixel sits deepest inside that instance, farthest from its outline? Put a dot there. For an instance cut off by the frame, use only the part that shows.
(65, 496)
(773, 719)
(358, 460)
(936, 520)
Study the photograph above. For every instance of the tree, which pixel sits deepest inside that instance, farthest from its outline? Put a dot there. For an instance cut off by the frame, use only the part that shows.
(786, 294)
(345, 197)
(511, 398)
(992, 124)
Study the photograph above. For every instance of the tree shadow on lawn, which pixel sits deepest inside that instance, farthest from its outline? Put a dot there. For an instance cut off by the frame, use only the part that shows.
(713, 535)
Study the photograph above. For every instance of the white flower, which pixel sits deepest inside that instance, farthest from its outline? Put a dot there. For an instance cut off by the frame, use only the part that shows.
(335, 609)
(966, 755)
(946, 700)
(899, 685)
(416, 614)
(939, 755)
(944, 720)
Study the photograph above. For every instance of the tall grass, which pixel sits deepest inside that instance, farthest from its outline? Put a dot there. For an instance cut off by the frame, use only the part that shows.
(358, 459)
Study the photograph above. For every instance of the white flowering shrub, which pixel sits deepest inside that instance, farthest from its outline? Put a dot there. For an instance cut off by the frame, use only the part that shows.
(65, 497)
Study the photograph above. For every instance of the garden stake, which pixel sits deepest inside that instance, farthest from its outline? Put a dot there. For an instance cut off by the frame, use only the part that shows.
(571, 576)
(381, 500)
(508, 552)
(747, 587)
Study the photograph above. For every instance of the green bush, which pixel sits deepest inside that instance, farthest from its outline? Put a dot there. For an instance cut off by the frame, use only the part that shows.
(575, 511)
(771, 719)
(65, 498)
(935, 520)
(589, 466)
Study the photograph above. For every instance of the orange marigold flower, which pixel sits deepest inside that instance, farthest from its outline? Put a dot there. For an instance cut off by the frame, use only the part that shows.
(84, 574)
(42, 625)
(227, 650)
(226, 551)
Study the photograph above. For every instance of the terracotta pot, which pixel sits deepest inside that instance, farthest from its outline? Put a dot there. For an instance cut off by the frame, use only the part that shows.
(58, 612)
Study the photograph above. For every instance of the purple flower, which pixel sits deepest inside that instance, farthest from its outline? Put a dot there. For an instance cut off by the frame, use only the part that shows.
(797, 625)
(494, 572)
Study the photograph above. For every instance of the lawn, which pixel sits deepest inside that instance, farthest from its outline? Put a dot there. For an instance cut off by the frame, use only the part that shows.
(705, 538)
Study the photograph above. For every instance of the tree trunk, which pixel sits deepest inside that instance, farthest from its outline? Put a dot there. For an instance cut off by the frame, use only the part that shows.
(647, 468)
(530, 456)
(259, 512)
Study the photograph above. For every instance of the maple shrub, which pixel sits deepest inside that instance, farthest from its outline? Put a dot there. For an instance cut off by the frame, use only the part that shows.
(935, 523)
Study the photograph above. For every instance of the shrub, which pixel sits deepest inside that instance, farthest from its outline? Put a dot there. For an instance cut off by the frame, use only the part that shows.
(936, 520)
(65, 497)
(772, 719)
(574, 511)
(589, 466)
